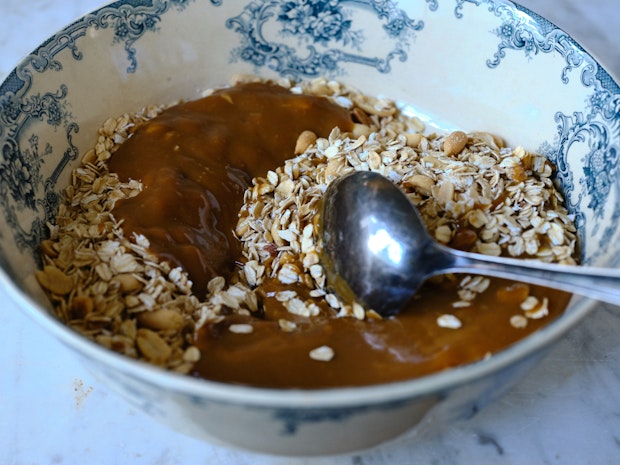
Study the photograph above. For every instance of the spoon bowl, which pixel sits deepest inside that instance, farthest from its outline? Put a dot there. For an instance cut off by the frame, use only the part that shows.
(378, 252)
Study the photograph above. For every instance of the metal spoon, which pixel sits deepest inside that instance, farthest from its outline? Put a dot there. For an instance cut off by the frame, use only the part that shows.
(377, 251)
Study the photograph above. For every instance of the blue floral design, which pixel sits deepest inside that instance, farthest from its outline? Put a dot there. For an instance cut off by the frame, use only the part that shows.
(292, 419)
(317, 20)
(325, 32)
(10, 109)
(432, 5)
(515, 35)
(19, 175)
(130, 23)
(593, 130)
(20, 167)
(458, 10)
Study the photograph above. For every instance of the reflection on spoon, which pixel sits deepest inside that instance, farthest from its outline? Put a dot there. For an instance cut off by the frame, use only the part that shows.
(377, 251)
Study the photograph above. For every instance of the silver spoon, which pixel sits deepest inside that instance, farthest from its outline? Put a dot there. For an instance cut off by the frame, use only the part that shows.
(377, 251)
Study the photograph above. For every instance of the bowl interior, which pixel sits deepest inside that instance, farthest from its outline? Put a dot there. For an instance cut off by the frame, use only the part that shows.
(473, 65)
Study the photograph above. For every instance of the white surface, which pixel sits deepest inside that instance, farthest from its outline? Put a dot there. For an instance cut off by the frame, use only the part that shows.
(52, 411)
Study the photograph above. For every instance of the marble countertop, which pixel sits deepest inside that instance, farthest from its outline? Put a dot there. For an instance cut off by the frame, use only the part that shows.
(567, 411)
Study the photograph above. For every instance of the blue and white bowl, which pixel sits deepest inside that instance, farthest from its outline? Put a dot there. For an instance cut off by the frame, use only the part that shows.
(469, 64)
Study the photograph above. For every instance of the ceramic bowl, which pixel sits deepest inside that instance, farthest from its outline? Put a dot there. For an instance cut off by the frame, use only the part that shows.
(468, 64)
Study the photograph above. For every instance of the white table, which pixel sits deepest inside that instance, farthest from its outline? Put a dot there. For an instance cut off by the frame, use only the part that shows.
(52, 411)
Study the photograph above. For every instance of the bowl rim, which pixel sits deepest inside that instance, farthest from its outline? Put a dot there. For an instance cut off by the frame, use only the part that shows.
(537, 17)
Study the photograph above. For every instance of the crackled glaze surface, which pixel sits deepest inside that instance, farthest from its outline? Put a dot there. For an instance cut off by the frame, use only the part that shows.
(564, 412)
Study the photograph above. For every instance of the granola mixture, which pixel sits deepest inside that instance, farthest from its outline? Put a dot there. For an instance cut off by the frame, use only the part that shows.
(473, 192)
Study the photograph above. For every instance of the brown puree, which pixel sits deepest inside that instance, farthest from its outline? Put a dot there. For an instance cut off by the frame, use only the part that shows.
(369, 351)
(195, 161)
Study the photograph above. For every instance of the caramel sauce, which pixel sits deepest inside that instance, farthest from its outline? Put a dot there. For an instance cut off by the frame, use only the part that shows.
(195, 160)
(371, 351)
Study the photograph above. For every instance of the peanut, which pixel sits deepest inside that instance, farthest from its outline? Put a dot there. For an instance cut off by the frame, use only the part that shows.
(413, 140)
(305, 140)
(128, 283)
(81, 306)
(454, 143)
(47, 248)
(420, 182)
(54, 280)
(152, 346)
(163, 319)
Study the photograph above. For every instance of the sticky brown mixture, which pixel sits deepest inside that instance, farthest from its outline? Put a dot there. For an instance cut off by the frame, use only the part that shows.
(196, 159)
(367, 351)
(146, 232)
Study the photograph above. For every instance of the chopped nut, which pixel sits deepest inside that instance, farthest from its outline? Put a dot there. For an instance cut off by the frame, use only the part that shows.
(413, 140)
(361, 117)
(54, 280)
(530, 303)
(421, 182)
(241, 329)
(358, 311)
(162, 319)
(81, 306)
(539, 311)
(449, 321)
(518, 321)
(152, 346)
(128, 282)
(443, 234)
(305, 140)
(454, 143)
(191, 354)
(287, 326)
(322, 354)
(48, 248)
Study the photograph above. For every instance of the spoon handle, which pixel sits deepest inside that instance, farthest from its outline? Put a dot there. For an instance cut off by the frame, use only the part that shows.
(598, 283)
